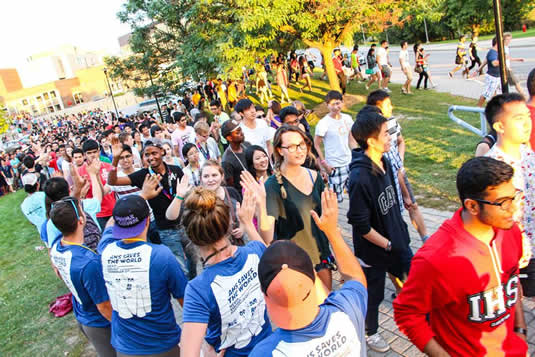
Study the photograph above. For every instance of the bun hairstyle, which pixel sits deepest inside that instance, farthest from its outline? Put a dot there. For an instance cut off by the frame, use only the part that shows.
(206, 217)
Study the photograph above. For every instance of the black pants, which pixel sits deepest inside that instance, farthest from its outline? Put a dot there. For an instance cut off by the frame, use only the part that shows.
(343, 81)
(422, 75)
(375, 277)
(100, 338)
(474, 61)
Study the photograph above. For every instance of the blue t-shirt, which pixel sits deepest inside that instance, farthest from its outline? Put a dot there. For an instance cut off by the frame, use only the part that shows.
(81, 271)
(492, 55)
(140, 277)
(227, 297)
(91, 206)
(34, 209)
(338, 330)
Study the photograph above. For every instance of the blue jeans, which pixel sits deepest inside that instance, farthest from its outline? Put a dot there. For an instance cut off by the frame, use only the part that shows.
(172, 239)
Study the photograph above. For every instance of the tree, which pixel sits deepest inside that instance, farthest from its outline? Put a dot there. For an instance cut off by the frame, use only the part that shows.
(5, 122)
(254, 28)
(478, 15)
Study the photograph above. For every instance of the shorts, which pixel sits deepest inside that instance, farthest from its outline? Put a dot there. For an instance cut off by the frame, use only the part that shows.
(491, 86)
(511, 78)
(387, 72)
(408, 73)
(100, 338)
(528, 281)
(338, 180)
(409, 187)
(9, 181)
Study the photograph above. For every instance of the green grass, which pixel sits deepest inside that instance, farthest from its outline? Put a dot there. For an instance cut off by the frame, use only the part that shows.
(27, 286)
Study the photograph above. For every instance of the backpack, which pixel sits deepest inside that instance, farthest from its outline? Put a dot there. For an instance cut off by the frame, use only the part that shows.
(92, 233)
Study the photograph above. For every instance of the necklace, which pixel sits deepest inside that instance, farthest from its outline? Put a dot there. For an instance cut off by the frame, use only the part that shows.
(205, 260)
(237, 158)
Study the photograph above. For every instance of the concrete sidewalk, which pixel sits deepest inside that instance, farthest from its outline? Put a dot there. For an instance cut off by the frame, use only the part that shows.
(400, 345)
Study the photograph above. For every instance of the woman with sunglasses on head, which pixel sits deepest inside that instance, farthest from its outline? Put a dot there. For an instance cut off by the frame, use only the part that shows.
(224, 305)
(291, 193)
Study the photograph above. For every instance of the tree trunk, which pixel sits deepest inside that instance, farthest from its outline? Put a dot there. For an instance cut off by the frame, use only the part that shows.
(475, 30)
(327, 53)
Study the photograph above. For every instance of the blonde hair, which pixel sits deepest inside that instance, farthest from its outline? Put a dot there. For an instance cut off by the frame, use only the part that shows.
(206, 217)
(201, 127)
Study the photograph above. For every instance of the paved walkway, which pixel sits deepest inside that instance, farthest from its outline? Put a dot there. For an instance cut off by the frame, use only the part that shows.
(400, 345)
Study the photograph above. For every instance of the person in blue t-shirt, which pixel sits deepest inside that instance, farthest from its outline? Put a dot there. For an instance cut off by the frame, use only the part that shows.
(308, 327)
(492, 78)
(224, 304)
(140, 278)
(33, 205)
(79, 267)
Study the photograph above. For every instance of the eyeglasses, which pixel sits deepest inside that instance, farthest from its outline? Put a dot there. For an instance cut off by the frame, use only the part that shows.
(65, 200)
(293, 148)
(505, 204)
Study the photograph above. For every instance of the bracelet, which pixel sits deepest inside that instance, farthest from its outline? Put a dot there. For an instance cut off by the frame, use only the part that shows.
(179, 197)
(521, 330)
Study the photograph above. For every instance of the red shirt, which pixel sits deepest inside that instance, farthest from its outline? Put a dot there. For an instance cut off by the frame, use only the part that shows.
(108, 201)
(337, 64)
(468, 288)
(532, 139)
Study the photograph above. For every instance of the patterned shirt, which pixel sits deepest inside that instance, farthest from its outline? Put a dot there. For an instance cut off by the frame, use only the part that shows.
(523, 179)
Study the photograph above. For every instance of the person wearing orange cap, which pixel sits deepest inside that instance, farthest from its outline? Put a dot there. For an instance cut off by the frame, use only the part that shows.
(293, 296)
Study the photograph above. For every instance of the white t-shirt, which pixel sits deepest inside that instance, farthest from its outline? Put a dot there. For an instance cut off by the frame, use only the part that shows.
(382, 59)
(213, 151)
(335, 134)
(257, 136)
(507, 57)
(404, 55)
(181, 136)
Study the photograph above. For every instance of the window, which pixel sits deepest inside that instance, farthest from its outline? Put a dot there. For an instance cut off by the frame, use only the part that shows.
(25, 102)
(78, 98)
(53, 94)
(39, 99)
(45, 95)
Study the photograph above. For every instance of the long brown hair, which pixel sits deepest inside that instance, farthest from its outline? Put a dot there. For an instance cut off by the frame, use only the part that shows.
(277, 143)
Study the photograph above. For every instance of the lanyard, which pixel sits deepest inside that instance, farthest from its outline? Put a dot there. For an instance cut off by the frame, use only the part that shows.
(133, 240)
(167, 194)
(205, 153)
(78, 244)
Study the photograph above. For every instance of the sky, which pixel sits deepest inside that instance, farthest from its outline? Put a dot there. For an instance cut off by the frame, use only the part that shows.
(32, 26)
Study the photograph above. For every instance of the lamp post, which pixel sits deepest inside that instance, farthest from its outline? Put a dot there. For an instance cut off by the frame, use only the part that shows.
(426, 34)
(111, 93)
(499, 38)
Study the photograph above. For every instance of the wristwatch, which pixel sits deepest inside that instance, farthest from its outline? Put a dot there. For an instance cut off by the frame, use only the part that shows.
(521, 330)
(389, 246)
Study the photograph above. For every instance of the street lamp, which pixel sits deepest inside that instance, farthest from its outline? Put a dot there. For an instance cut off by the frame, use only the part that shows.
(111, 93)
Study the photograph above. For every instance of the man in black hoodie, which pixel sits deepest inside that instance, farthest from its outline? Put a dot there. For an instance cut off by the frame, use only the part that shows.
(380, 235)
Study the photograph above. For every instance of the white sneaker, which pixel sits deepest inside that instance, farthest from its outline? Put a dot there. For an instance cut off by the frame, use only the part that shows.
(377, 343)
(387, 90)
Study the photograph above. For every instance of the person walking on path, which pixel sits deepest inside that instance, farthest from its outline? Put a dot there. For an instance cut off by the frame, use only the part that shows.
(492, 78)
(421, 65)
(460, 57)
(405, 67)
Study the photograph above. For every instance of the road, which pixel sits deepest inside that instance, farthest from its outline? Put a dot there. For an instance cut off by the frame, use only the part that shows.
(441, 61)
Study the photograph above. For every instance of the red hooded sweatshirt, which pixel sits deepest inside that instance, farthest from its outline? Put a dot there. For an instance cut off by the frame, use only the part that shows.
(468, 288)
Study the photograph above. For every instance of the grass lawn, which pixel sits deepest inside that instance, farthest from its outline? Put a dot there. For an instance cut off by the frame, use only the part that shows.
(27, 286)
(436, 147)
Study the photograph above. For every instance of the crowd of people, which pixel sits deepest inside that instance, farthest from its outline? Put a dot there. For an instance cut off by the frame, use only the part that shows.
(235, 215)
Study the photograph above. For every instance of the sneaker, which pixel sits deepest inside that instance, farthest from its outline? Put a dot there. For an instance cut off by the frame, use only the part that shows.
(377, 343)
(367, 87)
(450, 74)
(387, 90)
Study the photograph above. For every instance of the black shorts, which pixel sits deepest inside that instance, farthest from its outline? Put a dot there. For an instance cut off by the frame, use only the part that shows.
(527, 279)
